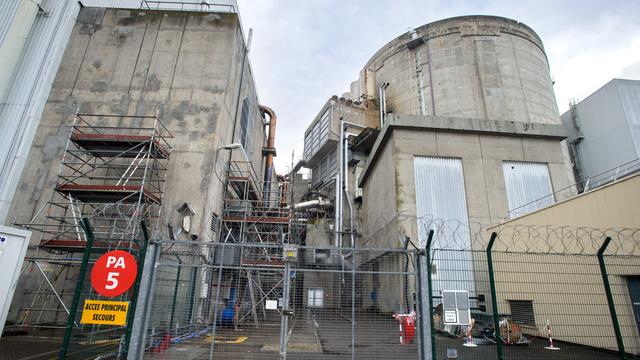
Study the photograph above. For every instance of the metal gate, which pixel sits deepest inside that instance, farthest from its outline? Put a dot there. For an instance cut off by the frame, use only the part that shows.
(266, 301)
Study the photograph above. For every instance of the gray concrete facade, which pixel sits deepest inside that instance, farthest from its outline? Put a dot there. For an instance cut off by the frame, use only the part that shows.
(474, 88)
(185, 67)
(481, 67)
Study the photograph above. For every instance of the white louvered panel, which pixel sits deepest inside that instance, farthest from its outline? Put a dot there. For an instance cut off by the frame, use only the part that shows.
(7, 13)
(440, 196)
(29, 90)
(528, 186)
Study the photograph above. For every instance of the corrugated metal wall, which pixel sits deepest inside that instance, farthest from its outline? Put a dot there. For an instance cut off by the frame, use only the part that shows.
(7, 12)
(325, 169)
(440, 195)
(29, 90)
(318, 135)
(629, 92)
(528, 186)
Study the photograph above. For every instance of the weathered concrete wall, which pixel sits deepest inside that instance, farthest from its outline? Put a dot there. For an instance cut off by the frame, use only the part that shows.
(380, 201)
(482, 157)
(184, 67)
(482, 67)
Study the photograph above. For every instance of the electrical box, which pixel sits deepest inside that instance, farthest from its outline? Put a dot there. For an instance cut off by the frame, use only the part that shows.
(455, 307)
(13, 248)
(290, 253)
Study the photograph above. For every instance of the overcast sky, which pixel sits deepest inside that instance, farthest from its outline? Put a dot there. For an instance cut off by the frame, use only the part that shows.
(303, 52)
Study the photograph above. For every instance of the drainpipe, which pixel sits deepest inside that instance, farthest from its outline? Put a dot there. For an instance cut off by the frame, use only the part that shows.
(269, 151)
(343, 177)
(383, 102)
(337, 210)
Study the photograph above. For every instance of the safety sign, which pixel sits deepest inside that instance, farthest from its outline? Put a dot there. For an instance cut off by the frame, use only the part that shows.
(114, 273)
(103, 312)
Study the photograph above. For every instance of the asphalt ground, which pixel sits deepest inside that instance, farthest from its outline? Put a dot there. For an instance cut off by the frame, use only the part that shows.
(313, 336)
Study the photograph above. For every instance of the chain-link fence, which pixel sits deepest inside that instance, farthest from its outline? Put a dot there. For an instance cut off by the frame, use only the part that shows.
(535, 292)
(93, 338)
(275, 302)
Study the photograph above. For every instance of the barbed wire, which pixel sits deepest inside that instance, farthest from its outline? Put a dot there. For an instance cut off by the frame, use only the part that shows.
(452, 234)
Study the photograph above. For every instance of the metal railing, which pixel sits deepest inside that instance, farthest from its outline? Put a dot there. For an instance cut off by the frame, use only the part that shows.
(584, 185)
(202, 6)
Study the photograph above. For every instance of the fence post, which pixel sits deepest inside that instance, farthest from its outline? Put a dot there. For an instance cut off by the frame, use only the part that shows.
(432, 333)
(424, 339)
(607, 289)
(494, 297)
(145, 298)
(141, 256)
(88, 230)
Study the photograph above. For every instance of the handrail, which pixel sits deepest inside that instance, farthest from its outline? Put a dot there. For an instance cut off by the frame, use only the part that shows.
(203, 6)
(590, 182)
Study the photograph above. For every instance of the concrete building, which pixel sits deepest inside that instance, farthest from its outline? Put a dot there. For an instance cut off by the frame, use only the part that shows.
(189, 68)
(469, 131)
(604, 133)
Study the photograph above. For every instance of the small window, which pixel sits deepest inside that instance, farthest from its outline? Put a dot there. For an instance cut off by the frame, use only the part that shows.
(321, 256)
(522, 312)
(315, 298)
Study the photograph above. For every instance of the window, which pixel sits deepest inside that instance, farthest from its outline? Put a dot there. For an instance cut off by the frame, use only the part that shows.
(528, 186)
(245, 116)
(315, 298)
(522, 312)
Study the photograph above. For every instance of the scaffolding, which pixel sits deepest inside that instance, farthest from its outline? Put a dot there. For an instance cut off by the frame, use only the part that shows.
(255, 213)
(113, 172)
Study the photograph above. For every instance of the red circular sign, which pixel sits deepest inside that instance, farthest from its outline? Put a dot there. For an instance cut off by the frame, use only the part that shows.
(114, 273)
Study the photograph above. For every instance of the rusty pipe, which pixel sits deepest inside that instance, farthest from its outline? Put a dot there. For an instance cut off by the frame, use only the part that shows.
(269, 151)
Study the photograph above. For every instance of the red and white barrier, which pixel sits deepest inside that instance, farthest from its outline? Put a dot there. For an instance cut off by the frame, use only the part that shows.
(469, 341)
(550, 347)
(407, 324)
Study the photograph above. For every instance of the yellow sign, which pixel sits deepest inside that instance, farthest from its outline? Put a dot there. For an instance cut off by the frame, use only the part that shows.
(103, 312)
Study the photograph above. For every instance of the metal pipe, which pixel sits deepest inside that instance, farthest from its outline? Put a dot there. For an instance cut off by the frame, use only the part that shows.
(338, 219)
(269, 151)
(311, 204)
(383, 102)
(344, 178)
(414, 36)
(346, 190)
